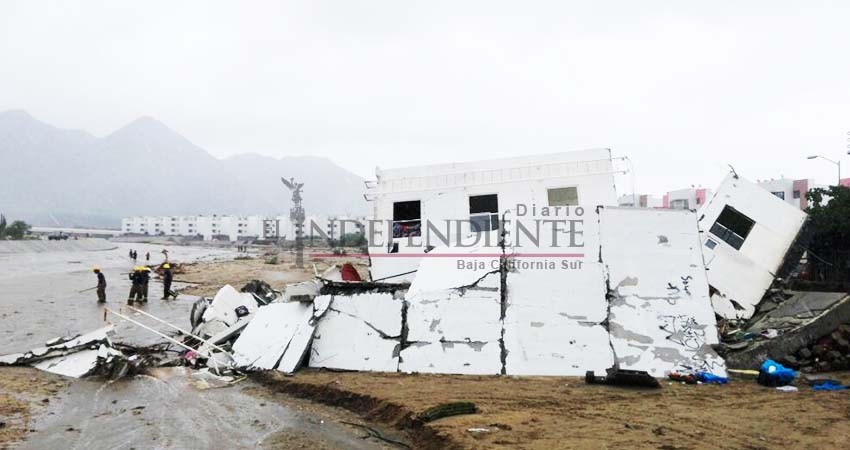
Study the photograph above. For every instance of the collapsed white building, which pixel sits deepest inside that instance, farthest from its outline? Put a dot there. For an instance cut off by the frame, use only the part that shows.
(524, 280)
(748, 233)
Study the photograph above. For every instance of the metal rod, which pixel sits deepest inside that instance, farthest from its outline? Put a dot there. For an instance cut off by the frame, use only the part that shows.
(178, 329)
(169, 338)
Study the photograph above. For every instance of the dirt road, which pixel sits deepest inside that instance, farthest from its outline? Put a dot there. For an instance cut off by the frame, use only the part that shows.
(549, 413)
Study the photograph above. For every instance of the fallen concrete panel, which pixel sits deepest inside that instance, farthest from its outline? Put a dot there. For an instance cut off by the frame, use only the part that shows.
(269, 334)
(660, 319)
(60, 347)
(75, 365)
(457, 268)
(360, 332)
(300, 343)
(465, 358)
(348, 343)
(801, 320)
(225, 302)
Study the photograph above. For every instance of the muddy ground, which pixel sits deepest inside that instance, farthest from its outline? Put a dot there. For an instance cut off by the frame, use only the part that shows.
(275, 268)
(546, 413)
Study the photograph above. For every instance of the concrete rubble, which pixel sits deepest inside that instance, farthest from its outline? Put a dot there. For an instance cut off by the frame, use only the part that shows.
(74, 357)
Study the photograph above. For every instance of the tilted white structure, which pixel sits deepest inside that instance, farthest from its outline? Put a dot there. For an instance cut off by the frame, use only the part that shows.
(406, 200)
(747, 231)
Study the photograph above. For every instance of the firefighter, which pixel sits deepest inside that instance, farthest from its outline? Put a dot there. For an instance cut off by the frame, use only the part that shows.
(136, 287)
(146, 278)
(167, 278)
(101, 285)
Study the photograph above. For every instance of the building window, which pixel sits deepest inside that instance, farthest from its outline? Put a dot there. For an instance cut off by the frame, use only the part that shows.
(732, 227)
(567, 196)
(680, 203)
(484, 212)
(797, 194)
(407, 219)
(780, 194)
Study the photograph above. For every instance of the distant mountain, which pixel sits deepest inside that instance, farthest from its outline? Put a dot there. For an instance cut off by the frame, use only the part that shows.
(51, 176)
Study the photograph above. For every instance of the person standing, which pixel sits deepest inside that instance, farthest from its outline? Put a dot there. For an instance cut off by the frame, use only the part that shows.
(148, 256)
(146, 278)
(136, 286)
(167, 279)
(101, 285)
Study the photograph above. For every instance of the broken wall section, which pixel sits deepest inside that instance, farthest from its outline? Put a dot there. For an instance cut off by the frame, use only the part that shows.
(555, 296)
(747, 231)
(660, 317)
(454, 314)
(360, 332)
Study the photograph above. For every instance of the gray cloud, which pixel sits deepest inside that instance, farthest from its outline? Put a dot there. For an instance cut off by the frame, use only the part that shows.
(682, 90)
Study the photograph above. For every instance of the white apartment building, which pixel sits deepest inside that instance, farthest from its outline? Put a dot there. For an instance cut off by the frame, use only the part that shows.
(234, 228)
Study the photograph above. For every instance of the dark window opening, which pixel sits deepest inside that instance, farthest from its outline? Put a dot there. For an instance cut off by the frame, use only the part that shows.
(796, 194)
(780, 194)
(732, 227)
(407, 219)
(567, 196)
(484, 212)
(681, 203)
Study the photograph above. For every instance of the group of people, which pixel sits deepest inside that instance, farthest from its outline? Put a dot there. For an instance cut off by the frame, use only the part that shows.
(139, 280)
(134, 255)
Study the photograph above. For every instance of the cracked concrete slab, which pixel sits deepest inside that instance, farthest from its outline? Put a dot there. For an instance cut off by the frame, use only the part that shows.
(449, 316)
(465, 358)
(359, 332)
(272, 333)
(661, 319)
(345, 342)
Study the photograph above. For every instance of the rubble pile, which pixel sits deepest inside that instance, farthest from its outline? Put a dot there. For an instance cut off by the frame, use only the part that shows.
(829, 353)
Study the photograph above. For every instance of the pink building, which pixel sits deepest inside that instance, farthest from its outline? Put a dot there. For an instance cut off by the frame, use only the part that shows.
(690, 198)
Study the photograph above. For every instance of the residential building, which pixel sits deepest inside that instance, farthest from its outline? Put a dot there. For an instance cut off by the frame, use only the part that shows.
(690, 198)
(791, 191)
(640, 201)
(469, 198)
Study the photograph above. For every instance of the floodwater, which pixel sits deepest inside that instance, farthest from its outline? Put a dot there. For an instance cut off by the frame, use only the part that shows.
(39, 300)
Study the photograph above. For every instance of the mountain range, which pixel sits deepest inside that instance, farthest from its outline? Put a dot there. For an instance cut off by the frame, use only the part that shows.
(57, 177)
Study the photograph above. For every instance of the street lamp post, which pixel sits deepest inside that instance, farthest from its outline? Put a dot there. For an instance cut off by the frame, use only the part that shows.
(837, 163)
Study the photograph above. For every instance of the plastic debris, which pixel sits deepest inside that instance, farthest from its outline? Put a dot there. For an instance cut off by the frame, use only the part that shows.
(771, 373)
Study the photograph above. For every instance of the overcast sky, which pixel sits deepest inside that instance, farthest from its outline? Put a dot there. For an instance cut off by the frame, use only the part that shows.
(681, 90)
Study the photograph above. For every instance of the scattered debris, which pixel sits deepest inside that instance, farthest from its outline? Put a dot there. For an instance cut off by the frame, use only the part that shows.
(447, 410)
(623, 377)
(774, 374)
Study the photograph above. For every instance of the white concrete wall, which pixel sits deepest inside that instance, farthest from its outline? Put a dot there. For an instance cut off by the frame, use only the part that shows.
(444, 192)
(742, 276)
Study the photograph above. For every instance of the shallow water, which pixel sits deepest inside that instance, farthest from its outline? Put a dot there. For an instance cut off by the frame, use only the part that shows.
(39, 301)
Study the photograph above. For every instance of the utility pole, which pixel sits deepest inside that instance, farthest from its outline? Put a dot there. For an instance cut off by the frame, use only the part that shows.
(837, 163)
(296, 215)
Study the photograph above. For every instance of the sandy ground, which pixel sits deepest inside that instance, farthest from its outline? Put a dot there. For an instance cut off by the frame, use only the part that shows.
(206, 278)
(547, 413)
(24, 393)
